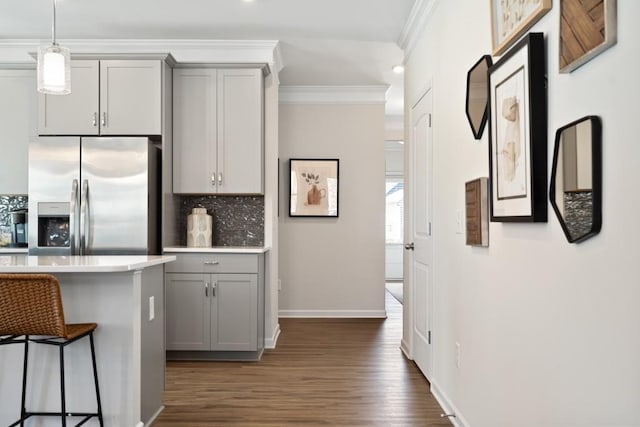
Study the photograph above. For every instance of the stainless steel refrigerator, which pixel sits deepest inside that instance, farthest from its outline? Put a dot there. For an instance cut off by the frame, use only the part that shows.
(94, 196)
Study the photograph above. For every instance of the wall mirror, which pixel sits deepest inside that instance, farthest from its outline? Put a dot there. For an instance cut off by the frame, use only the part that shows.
(576, 178)
(477, 95)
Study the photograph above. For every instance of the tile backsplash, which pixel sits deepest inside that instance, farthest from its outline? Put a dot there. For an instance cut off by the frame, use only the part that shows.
(7, 204)
(237, 220)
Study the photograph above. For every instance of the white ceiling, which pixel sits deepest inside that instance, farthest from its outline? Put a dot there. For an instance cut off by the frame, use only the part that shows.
(322, 42)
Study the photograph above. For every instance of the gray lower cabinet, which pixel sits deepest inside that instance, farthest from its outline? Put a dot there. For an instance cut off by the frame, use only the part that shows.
(215, 315)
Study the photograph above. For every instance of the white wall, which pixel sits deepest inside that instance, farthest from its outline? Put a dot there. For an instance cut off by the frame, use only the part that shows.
(271, 326)
(549, 331)
(334, 266)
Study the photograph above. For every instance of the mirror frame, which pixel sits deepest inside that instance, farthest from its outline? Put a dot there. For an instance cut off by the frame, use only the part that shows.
(477, 133)
(596, 184)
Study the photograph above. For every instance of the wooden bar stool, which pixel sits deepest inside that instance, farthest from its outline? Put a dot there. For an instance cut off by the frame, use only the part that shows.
(30, 305)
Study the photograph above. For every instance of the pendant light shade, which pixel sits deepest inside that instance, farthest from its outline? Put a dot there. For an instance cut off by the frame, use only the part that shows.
(54, 65)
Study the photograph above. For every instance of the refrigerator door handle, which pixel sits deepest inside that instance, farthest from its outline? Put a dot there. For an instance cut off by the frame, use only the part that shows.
(72, 217)
(84, 218)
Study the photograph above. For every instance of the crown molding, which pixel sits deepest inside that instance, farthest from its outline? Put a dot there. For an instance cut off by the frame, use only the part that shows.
(333, 94)
(417, 21)
(188, 51)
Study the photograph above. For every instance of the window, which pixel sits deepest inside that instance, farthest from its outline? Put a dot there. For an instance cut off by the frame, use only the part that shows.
(394, 210)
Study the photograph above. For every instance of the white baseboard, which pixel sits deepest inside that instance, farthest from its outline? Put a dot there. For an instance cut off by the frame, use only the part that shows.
(405, 349)
(270, 343)
(152, 419)
(378, 314)
(447, 406)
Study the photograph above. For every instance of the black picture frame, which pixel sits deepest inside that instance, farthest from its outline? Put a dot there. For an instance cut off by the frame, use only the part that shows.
(518, 133)
(314, 187)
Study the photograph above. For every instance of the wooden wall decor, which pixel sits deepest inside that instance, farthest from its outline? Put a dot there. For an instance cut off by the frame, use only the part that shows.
(587, 28)
(477, 212)
(510, 19)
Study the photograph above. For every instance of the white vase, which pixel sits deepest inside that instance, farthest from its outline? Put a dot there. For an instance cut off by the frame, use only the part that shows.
(199, 229)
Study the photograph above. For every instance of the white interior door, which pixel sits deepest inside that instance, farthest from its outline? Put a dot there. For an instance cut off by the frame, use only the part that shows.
(420, 244)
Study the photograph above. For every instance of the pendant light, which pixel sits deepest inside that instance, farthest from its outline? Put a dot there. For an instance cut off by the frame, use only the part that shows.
(54, 67)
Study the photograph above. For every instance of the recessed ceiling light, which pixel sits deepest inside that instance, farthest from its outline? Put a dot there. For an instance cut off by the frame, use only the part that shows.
(398, 69)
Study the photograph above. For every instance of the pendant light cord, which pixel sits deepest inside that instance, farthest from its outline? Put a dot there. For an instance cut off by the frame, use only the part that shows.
(53, 24)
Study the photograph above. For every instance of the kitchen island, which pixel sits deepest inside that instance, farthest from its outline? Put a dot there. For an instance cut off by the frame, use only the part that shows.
(124, 295)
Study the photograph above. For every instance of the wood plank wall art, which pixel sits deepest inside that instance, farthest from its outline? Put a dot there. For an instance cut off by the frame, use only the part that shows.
(587, 28)
(477, 212)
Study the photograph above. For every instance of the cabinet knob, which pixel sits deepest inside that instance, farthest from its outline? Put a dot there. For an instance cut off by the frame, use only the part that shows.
(213, 179)
(95, 119)
(220, 178)
(104, 119)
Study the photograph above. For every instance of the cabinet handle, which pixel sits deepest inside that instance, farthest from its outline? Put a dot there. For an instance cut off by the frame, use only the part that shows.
(213, 288)
(220, 179)
(206, 290)
(213, 179)
(95, 119)
(211, 262)
(104, 119)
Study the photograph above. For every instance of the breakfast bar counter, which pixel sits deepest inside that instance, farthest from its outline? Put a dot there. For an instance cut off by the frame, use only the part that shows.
(124, 295)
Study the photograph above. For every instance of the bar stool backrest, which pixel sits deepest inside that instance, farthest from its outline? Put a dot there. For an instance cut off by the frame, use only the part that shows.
(30, 304)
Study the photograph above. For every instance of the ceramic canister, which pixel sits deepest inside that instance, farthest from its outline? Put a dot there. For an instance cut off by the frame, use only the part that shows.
(199, 229)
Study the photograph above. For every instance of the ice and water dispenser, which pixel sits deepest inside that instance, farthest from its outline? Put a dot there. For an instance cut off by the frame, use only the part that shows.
(53, 225)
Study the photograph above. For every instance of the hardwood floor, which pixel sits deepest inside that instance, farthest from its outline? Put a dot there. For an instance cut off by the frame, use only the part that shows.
(324, 372)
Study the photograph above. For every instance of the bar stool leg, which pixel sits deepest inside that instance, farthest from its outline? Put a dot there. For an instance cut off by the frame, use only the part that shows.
(23, 408)
(64, 409)
(95, 378)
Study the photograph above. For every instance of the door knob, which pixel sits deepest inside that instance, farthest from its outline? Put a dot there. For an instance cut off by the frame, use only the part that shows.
(409, 246)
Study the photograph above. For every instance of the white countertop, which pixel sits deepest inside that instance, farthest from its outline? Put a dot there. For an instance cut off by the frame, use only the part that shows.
(9, 250)
(79, 264)
(219, 249)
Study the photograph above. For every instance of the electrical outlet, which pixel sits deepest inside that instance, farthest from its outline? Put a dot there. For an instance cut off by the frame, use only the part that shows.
(457, 355)
(152, 308)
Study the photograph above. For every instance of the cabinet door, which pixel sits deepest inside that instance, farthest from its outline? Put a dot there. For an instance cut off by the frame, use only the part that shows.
(188, 311)
(76, 113)
(234, 312)
(18, 116)
(240, 130)
(194, 131)
(130, 97)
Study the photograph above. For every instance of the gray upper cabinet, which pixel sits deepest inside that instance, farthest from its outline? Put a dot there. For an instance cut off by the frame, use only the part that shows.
(194, 131)
(110, 97)
(240, 131)
(18, 125)
(218, 131)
